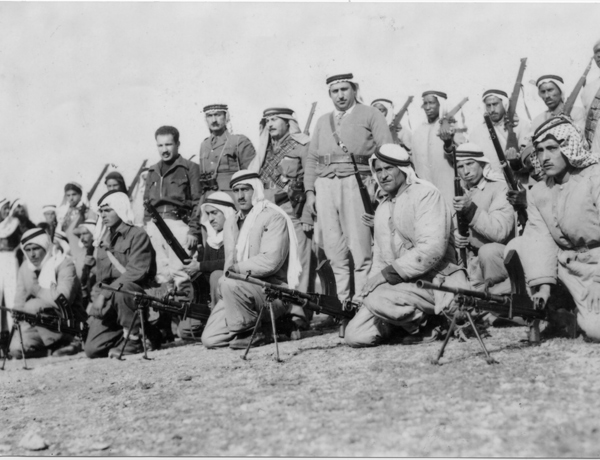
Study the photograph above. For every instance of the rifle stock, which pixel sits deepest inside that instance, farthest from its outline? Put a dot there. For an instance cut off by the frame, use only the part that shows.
(570, 102)
(310, 117)
(182, 309)
(512, 141)
(95, 186)
(328, 305)
(398, 118)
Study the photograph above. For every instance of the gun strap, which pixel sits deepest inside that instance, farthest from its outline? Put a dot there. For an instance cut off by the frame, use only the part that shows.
(115, 262)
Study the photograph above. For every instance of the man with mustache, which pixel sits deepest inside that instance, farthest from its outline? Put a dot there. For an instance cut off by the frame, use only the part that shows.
(431, 154)
(280, 162)
(173, 188)
(125, 259)
(490, 217)
(561, 242)
(590, 97)
(413, 229)
(259, 240)
(222, 153)
(331, 188)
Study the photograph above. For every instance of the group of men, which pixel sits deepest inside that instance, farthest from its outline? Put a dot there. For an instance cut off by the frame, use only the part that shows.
(263, 212)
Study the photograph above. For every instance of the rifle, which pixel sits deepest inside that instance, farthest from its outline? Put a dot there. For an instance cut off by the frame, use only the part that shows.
(95, 186)
(461, 223)
(166, 232)
(85, 276)
(570, 102)
(511, 180)
(398, 118)
(445, 120)
(136, 179)
(182, 309)
(310, 117)
(319, 303)
(512, 141)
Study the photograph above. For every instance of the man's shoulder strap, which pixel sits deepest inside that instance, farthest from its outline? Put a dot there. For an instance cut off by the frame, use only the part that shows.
(115, 262)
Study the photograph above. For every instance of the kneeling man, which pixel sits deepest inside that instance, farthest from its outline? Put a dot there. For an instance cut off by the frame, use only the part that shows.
(260, 240)
(45, 276)
(413, 228)
(125, 259)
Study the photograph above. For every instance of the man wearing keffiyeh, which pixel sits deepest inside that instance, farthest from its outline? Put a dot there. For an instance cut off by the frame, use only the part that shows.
(561, 241)
(413, 228)
(44, 276)
(260, 240)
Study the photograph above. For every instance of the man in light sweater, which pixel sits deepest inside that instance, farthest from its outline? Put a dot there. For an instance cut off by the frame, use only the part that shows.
(331, 188)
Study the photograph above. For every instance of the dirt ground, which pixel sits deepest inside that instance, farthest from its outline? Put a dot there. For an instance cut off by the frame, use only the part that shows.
(324, 399)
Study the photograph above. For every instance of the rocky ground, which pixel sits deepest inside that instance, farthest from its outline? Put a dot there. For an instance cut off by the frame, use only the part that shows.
(324, 399)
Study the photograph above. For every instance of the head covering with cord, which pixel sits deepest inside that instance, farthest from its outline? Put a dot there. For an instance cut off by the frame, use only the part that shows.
(224, 203)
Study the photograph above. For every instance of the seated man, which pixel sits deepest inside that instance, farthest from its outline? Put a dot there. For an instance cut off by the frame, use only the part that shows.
(561, 241)
(125, 259)
(216, 209)
(260, 240)
(490, 216)
(413, 229)
(43, 278)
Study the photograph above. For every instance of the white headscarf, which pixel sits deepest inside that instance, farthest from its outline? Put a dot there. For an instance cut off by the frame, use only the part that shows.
(63, 241)
(51, 261)
(295, 132)
(224, 203)
(118, 202)
(389, 105)
(258, 204)
(340, 77)
(9, 225)
(496, 93)
(442, 98)
(396, 155)
(558, 81)
(471, 151)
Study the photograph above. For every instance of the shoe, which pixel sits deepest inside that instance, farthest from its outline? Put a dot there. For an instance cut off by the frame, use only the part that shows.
(241, 341)
(68, 350)
(31, 353)
(133, 347)
(427, 334)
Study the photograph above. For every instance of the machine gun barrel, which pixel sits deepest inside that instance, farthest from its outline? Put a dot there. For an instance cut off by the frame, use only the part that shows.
(319, 303)
(500, 299)
(51, 322)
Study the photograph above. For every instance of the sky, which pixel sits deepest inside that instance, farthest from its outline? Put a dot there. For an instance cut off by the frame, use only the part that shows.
(85, 84)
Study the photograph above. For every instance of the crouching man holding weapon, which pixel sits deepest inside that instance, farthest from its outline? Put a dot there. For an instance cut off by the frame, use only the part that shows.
(413, 228)
(260, 241)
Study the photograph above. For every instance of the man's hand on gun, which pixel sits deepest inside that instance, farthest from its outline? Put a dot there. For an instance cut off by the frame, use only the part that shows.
(368, 220)
(372, 283)
(191, 267)
(517, 198)
(191, 242)
(460, 241)
(540, 298)
(311, 202)
(462, 203)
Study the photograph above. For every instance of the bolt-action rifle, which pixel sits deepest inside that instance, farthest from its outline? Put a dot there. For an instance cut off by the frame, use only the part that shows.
(310, 117)
(398, 118)
(461, 222)
(448, 118)
(512, 141)
(570, 102)
(90, 194)
(136, 179)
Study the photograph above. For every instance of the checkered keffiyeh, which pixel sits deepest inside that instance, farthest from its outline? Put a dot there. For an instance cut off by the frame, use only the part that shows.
(571, 145)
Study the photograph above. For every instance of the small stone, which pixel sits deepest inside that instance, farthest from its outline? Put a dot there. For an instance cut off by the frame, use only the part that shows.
(177, 437)
(402, 383)
(145, 385)
(33, 441)
(186, 378)
(99, 446)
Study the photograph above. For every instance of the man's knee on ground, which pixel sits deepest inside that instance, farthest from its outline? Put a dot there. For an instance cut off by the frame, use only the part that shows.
(92, 351)
(210, 340)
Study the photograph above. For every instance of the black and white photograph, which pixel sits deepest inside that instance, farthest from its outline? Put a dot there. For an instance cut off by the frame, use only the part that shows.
(343, 229)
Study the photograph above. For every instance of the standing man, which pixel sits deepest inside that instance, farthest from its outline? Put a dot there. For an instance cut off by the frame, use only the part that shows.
(50, 221)
(432, 154)
(125, 259)
(331, 189)
(413, 233)
(173, 188)
(280, 163)
(496, 104)
(490, 216)
(386, 107)
(590, 97)
(259, 239)
(551, 89)
(222, 153)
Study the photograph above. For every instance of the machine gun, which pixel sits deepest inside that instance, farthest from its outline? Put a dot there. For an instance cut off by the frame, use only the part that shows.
(166, 304)
(319, 303)
(570, 102)
(398, 118)
(516, 304)
(512, 141)
(511, 180)
(66, 324)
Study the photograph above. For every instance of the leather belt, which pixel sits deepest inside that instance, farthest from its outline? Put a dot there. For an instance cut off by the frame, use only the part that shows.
(332, 158)
(585, 247)
(280, 199)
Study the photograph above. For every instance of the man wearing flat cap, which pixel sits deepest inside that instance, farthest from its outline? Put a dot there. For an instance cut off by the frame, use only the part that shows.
(280, 162)
(222, 153)
(332, 192)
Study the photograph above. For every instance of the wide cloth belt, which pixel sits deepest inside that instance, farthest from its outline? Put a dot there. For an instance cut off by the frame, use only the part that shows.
(584, 248)
(332, 158)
